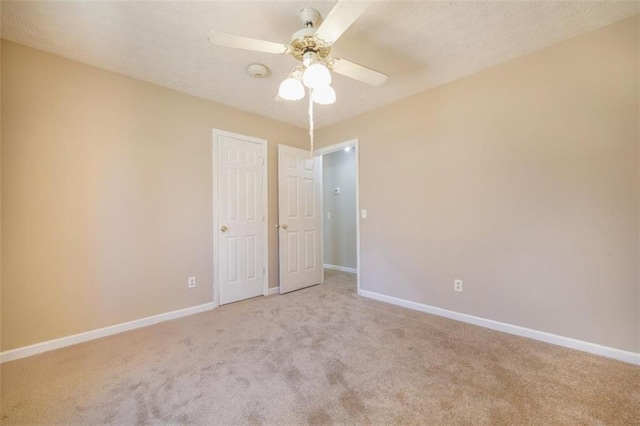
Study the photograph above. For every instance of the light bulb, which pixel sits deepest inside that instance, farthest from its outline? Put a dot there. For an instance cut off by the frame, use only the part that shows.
(309, 58)
(291, 89)
(316, 75)
(324, 95)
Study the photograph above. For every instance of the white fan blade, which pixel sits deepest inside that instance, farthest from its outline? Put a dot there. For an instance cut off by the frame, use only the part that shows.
(358, 72)
(239, 42)
(343, 14)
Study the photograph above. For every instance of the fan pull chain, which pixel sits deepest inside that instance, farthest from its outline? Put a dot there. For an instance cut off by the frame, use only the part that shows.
(311, 124)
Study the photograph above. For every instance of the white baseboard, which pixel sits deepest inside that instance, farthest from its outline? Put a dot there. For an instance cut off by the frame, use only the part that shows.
(62, 342)
(274, 290)
(567, 342)
(341, 268)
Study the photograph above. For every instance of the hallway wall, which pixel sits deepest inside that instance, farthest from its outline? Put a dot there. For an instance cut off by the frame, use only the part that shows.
(339, 210)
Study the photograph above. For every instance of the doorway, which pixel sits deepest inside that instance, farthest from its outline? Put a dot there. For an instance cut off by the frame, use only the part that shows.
(340, 207)
(239, 217)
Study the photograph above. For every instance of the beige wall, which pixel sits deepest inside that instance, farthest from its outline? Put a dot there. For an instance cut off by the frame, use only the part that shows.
(339, 230)
(107, 196)
(0, 199)
(522, 181)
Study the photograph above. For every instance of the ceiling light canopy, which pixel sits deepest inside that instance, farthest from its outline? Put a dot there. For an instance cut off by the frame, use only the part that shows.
(258, 70)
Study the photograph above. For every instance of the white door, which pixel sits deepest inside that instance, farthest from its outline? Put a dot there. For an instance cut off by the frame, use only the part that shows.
(241, 229)
(300, 219)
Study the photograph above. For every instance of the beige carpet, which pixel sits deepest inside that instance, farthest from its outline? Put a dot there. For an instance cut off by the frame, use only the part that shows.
(318, 356)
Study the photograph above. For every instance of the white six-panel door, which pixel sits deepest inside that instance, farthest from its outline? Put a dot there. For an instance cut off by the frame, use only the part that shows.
(300, 219)
(241, 239)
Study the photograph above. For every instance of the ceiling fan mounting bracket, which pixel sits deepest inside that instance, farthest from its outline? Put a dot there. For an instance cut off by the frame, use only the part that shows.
(309, 17)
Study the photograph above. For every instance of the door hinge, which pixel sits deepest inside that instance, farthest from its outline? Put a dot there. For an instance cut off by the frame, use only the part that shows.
(264, 271)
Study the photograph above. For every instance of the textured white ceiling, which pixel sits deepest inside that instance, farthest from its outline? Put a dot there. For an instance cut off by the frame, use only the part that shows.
(419, 44)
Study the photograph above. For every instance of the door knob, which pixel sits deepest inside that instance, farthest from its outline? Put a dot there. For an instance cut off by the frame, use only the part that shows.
(285, 226)
(223, 228)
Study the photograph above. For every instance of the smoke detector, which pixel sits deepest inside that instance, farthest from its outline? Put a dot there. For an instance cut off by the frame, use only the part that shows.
(258, 70)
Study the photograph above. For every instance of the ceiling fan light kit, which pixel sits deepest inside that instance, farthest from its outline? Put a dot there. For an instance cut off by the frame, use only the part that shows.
(312, 47)
(291, 89)
(324, 95)
(316, 76)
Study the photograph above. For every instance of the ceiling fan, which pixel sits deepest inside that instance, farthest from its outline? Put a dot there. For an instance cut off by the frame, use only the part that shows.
(312, 46)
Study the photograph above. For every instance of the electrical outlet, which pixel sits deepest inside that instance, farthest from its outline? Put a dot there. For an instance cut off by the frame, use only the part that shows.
(191, 282)
(457, 285)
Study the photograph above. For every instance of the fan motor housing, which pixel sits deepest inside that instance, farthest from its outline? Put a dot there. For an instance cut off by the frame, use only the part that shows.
(303, 41)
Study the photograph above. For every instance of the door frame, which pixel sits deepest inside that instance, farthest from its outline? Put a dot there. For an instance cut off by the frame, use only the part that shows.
(354, 143)
(216, 224)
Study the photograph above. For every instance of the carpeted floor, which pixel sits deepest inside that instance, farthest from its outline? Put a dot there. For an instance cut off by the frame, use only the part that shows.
(318, 356)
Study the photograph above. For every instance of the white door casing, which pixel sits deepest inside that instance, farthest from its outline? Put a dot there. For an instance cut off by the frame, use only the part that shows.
(299, 218)
(240, 234)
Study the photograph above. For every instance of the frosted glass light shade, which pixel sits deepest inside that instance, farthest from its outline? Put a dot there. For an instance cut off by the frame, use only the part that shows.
(324, 95)
(291, 89)
(317, 75)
